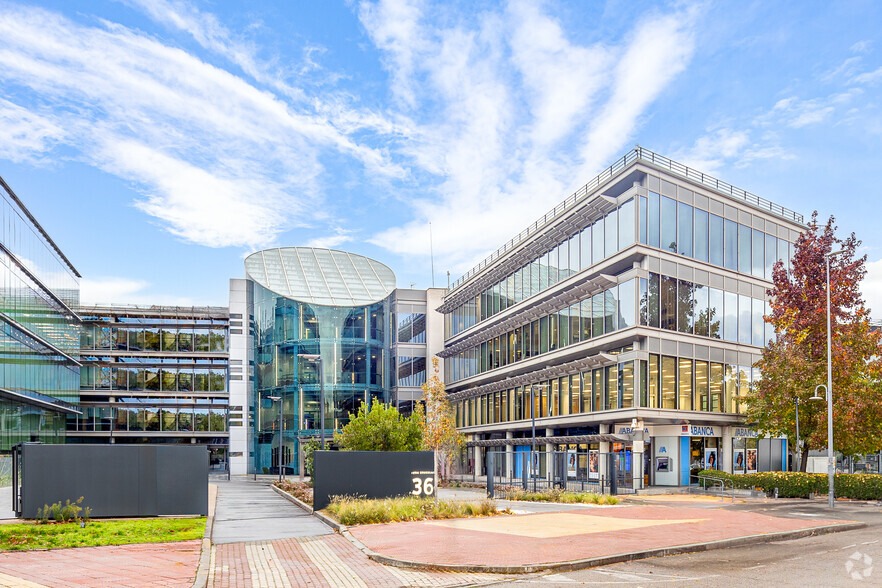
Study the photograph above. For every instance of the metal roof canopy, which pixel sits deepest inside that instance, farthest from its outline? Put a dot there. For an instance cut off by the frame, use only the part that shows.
(565, 439)
(321, 276)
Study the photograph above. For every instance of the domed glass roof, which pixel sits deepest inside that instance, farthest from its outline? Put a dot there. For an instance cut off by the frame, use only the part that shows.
(321, 276)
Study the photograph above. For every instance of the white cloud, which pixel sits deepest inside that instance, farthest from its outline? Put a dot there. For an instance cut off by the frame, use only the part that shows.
(26, 135)
(871, 288)
(115, 290)
(219, 161)
(331, 241)
(514, 112)
(870, 77)
(726, 146)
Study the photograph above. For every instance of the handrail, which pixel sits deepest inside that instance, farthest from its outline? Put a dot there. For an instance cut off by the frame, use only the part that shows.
(631, 156)
(722, 482)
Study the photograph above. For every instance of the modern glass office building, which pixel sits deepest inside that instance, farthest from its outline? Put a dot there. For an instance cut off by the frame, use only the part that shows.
(638, 300)
(39, 331)
(317, 325)
(154, 374)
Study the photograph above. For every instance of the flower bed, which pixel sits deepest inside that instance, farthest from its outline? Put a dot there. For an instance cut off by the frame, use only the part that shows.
(361, 511)
(302, 491)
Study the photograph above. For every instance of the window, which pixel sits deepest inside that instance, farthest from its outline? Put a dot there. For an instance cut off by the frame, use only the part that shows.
(715, 239)
(612, 387)
(758, 265)
(716, 387)
(597, 242)
(585, 255)
(669, 382)
(668, 303)
(684, 306)
(701, 386)
(731, 244)
(700, 309)
(626, 224)
(668, 224)
(627, 305)
(597, 314)
(652, 221)
(771, 256)
(610, 310)
(744, 258)
(730, 319)
(641, 214)
(626, 371)
(684, 229)
(611, 236)
(685, 382)
(653, 382)
(701, 242)
(715, 314)
(744, 320)
(758, 334)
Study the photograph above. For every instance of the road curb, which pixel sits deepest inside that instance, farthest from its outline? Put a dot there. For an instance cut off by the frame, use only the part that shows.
(566, 566)
(202, 571)
(320, 516)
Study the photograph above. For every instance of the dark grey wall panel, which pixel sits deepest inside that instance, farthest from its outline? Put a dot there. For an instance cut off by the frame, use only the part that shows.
(372, 474)
(116, 480)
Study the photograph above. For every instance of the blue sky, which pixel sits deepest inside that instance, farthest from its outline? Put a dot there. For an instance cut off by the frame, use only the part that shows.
(161, 141)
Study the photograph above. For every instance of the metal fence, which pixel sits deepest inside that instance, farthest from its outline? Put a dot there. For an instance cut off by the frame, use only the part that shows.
(573, 471)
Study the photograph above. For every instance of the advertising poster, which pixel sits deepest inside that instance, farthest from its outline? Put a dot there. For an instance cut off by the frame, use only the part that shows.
(571, 464)
(662, 464)
(593, 465)
(751, 461)
(738, 456)
(710, 459)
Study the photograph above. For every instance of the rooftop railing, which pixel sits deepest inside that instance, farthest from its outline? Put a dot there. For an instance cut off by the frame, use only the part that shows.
(638, 153)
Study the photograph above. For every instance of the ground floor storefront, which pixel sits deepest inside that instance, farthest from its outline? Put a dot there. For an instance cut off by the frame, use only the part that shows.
(636, 456)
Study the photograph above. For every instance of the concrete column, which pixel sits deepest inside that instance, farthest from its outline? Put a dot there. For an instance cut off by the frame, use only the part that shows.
(509, 456)
(638, 448)
(724, 453)
(549, 448)
(603, 450)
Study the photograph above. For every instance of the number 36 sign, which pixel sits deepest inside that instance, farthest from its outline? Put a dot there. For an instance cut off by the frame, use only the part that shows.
(423, 483)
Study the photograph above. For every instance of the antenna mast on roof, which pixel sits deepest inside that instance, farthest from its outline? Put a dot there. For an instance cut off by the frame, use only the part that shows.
(431, 254)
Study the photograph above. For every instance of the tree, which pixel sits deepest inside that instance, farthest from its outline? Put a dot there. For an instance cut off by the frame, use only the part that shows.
(382, 428)
(796, 361)
(439, 425)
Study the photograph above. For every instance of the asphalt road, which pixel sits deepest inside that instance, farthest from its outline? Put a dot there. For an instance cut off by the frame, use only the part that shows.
(851, 558)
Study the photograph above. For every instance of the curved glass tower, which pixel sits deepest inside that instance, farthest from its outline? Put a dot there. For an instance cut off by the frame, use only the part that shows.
(321, 302)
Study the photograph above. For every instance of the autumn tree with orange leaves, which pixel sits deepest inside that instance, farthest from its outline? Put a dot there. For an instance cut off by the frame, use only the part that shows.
(795, 362)
(439, 426)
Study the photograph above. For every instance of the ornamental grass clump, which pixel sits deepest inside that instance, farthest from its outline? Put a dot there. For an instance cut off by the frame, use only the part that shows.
(361, 511)
(561, 496)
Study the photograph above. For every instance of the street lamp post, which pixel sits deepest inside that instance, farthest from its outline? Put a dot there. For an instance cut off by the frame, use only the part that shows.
(798, 454)
(279, 400)
(533, 421)
(831, 460)
(317, 359)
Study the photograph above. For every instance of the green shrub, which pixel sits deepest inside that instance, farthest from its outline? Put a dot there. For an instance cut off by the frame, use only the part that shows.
(68, 512)
(361, 511)
(800, 484)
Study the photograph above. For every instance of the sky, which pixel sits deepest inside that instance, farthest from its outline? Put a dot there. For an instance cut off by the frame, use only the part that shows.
(160, 142)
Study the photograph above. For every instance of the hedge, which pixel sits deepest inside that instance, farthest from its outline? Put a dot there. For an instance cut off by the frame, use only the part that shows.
(800, 485)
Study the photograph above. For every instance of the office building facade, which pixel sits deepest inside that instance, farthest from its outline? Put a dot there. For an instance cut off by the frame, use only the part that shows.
(154, 374)
(39, 330)
(633, 312)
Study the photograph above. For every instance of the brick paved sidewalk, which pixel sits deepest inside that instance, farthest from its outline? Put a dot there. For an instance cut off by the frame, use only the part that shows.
(566, 536)
(146, 564)
(325, 561)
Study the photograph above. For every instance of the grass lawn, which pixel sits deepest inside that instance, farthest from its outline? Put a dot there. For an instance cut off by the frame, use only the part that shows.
(23, 536)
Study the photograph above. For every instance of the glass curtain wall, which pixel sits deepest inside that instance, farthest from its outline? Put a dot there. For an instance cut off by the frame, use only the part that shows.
(354, 345)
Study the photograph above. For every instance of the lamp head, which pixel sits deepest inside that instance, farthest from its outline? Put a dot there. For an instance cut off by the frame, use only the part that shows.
(310, 356)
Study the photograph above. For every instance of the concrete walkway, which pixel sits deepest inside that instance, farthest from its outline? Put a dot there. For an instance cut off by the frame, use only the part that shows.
(251, 511)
